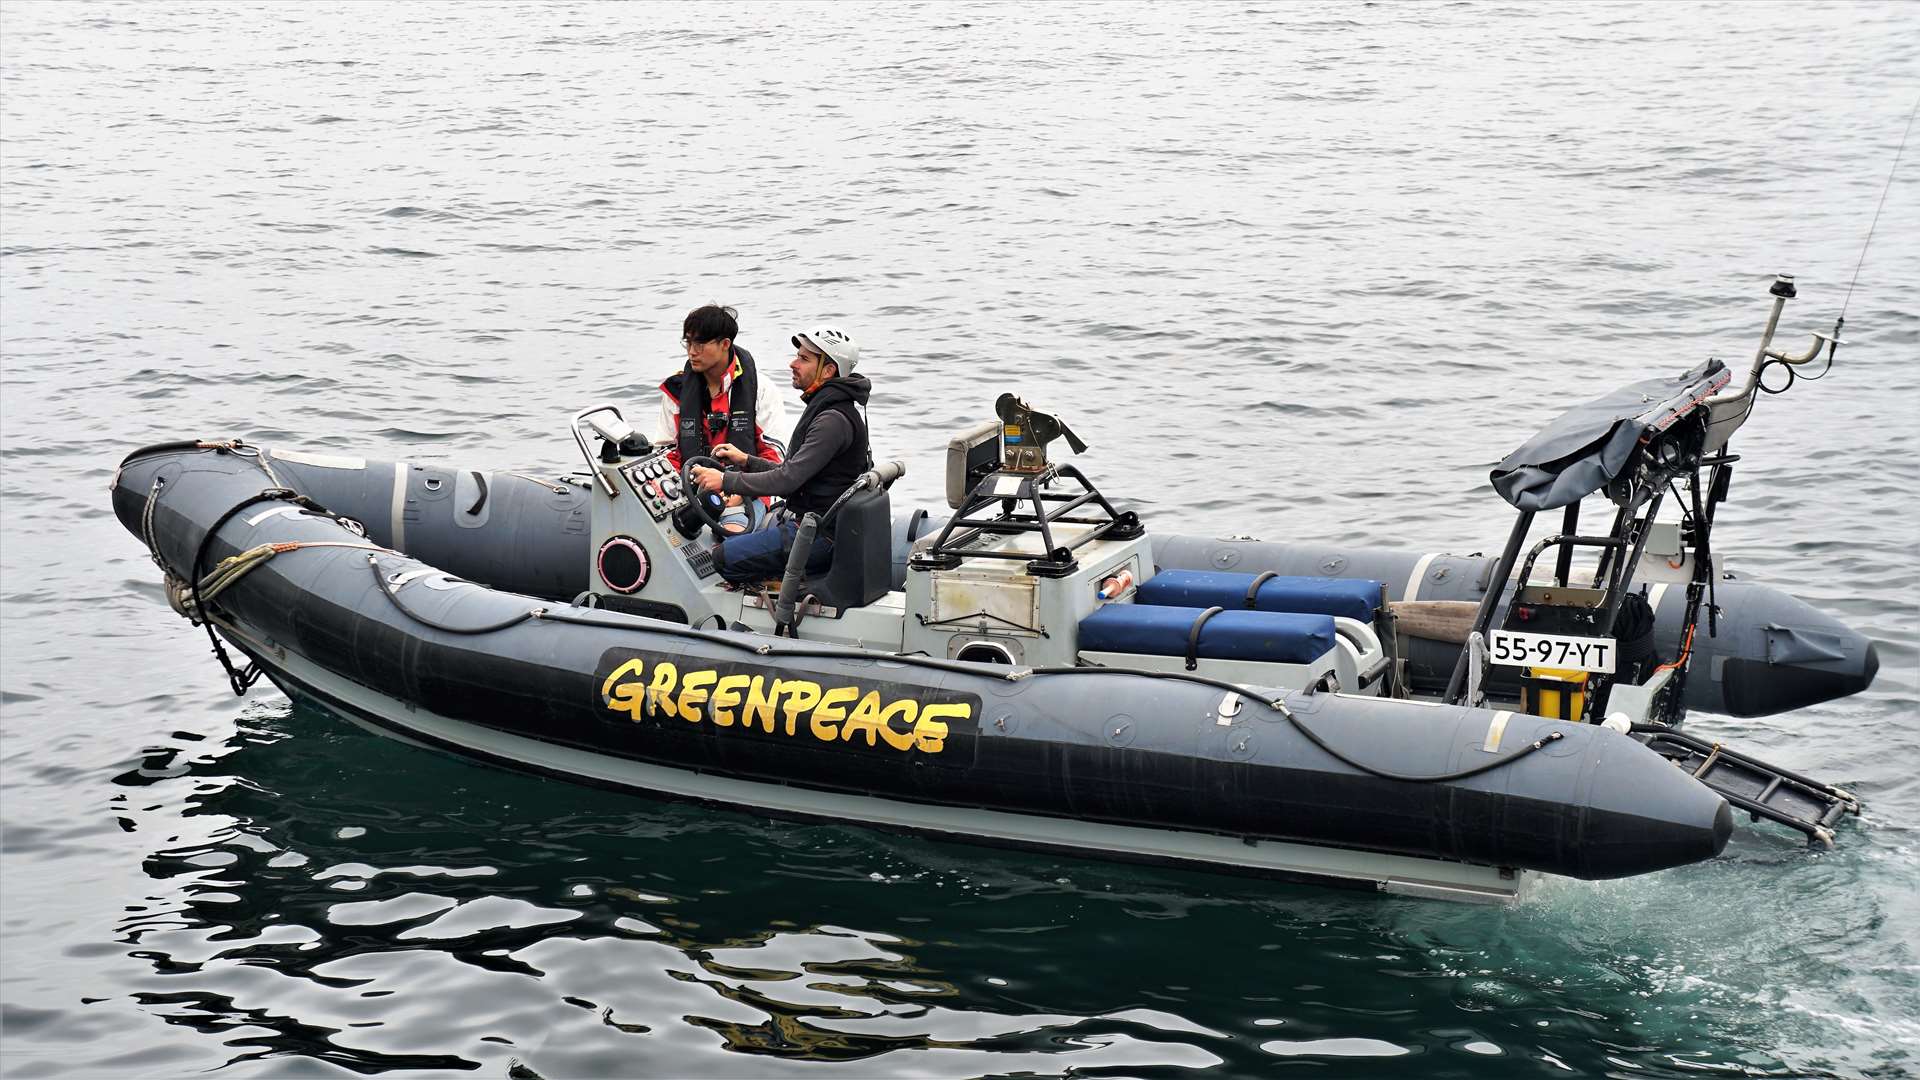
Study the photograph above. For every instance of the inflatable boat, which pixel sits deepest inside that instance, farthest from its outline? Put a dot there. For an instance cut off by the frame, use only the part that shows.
(1036, 668)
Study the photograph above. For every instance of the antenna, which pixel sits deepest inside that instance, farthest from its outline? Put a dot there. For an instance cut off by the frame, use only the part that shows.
(1876, 216)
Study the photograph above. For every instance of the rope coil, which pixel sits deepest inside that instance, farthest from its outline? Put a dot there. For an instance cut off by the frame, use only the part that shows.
(190, 598)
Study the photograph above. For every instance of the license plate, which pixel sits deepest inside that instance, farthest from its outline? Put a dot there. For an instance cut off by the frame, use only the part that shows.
(1515, 649)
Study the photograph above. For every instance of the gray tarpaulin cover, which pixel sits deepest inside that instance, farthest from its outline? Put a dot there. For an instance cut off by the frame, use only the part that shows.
(1589, 444)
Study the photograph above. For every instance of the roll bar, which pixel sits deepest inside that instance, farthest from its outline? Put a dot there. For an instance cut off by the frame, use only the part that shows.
(616, 432)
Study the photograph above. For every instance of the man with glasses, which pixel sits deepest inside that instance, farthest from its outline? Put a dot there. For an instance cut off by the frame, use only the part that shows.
(715, 400)
(827, 453)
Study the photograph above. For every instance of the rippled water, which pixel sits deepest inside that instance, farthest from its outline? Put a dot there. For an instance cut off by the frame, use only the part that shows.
(1291, 270)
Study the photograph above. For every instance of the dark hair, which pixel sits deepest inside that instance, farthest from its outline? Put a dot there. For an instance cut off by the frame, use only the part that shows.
(711, 323)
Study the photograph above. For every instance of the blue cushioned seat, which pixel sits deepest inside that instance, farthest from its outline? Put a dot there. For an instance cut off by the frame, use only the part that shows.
(1280, 637)
(1349, 598)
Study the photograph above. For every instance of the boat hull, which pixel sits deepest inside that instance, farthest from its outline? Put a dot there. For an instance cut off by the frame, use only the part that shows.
(1272, 859)
(1089, 758)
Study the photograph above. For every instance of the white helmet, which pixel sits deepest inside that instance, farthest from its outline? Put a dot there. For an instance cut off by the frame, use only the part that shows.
(833, 341)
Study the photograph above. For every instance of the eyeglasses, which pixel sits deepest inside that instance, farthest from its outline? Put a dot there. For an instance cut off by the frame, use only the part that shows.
(688, 343)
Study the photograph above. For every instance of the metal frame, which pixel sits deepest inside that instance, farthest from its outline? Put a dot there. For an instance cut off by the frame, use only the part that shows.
(1055, 560)
(580, 440)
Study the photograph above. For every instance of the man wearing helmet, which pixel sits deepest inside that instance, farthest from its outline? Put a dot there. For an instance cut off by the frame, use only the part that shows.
(827, 453)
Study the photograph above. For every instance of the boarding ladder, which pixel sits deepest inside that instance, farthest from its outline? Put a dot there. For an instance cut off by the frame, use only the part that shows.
(1762, 790)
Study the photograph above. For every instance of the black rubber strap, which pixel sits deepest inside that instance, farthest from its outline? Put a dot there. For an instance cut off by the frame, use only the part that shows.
(1253, 590)
(1193, 636)
(163, 448)
(482, 500)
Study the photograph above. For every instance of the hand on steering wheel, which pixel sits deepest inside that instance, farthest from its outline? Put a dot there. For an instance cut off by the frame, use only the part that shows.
(705, 506)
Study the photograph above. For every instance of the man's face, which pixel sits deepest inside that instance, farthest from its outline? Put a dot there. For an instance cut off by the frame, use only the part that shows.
(704, 356)
(806, 367)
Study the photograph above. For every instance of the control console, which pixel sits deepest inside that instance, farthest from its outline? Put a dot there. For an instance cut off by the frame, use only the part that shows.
(657, 483)
(645, 559)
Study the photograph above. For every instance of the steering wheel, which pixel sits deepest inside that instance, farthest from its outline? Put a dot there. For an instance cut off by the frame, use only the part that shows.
(705, 507)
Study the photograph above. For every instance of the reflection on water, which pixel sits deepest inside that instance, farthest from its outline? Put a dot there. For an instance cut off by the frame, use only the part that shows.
(352, 899)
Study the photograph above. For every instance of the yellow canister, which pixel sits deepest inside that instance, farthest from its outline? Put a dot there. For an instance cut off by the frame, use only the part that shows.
(1555, 693)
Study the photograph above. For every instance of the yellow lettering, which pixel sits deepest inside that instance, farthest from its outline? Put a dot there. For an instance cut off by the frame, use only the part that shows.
(624, 697)
(660, 691)
(931, 732)
(900, 738)
(629, 698)
(760, 699)
(932, 735)
(801, 696)
(833, 714)
(831, 710)
(631, 667)
(726, 694)
(865, 719)
(693, 691)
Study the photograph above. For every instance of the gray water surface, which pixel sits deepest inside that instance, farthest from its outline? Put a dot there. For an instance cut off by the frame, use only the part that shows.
(1291, 270)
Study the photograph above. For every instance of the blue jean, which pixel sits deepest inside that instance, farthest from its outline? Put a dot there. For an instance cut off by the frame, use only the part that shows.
(751, 514)
(759, 556)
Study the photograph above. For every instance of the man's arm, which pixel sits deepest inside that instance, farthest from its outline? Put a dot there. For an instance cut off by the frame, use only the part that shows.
(831, 434)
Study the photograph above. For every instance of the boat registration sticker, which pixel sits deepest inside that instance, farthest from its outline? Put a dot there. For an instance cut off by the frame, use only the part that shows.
(1515, 649)
(783, 703)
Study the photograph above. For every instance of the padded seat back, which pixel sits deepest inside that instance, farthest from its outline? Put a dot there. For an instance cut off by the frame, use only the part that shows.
(1348, 598)
(1272, 636)
(862, 568)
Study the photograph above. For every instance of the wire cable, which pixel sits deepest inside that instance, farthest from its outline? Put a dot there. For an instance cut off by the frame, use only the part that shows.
(1883, 205)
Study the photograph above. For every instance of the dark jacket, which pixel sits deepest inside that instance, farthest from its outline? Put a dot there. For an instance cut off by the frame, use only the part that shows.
(827, 453)
(692, 435)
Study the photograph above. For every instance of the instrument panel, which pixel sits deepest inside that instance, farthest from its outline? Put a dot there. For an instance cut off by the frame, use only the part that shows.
(662, 492)
(658, 485)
